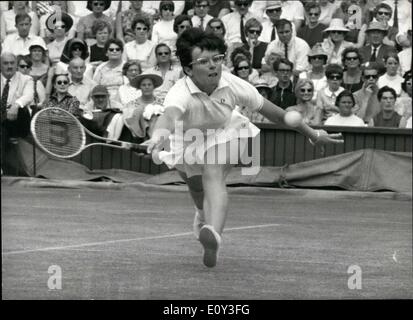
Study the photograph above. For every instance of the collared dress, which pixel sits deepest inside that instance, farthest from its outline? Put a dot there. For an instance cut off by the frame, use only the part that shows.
(68, 103)
(211, 119)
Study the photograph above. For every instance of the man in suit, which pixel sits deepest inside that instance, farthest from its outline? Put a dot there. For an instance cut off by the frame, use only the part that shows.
(16, 92)
(376, 49)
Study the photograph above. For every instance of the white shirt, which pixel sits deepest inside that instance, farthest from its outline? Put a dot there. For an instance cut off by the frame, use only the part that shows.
(404, 14)
(144, 53)
(56, 49)
(127, 93)
(9, 22)
(338, 120)
(82, 90)
(409, 123)
(153, 6)
(327, 13)
(394, 82)
(232, 22)
(298, 50)
(267, 27)
(196, 21)
(21, 89)
(163, 32)
(19, 46)
(292, 10)
(405, 57)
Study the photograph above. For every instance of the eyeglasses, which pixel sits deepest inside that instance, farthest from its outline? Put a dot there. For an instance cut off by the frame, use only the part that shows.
(273, 10)
(338, 32)
(217, 59)
(168, 9)
(163, 53)
(313, 14)
(24, 66)
(302, 90)
(60, 82)
(99, 4)
(243, 68)
(284, 70)
(318, 58)
(141, 29)
(383, 13)
(184, 26)
(114, 49)
(352, 58)
(242, 4)
(257, 32)
(335, 77)
(371, 76)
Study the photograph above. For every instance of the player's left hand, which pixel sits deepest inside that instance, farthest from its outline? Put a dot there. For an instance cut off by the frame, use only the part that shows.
(325, 138)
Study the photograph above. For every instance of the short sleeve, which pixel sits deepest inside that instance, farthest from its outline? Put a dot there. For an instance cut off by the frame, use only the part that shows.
(176, 97)
(246, 95)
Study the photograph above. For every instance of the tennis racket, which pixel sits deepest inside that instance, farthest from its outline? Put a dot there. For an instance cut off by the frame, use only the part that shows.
(59, 134)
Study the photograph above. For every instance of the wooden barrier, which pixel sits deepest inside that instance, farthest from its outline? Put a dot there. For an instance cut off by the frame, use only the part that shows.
(278, 146)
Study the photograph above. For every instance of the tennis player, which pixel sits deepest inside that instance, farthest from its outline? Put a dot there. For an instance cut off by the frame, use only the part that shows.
(204, 103)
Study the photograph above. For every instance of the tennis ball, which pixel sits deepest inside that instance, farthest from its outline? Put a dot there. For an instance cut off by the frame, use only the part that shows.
(293, 118)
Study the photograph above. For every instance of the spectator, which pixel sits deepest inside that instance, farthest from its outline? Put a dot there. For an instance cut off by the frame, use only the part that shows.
(233, 21)
(102, 31)
(79, 85)
(110, 73)
(140, 115)
(352, 60)
(163, 31)
(265, 90)
(8, 25)
(61, 98)
(366, 98)
(201, 17)
(328, 9)
(141, 49)
(24, 66)
(217, 27)
(291, 48)
(169, 72)
(253, 29)
(376, 49)
(57, 15)
(335, 44)
(404, 17)
(85, 24)
(242, 52)
(181, 23)
(152, 7)
(312, 32)
(40, 63)
(318, 60)
(59, 29)
(404, 102)
(326, 98)
(219, 8)
(345, 117)
(19, 43)
(283, 93)
(127, 92)
(270, 76)
(391, 78)
(16, 95)
(405, 56)
(293, 11)
(304, 91)
(387, 117)
(125, 19)
(242, 68)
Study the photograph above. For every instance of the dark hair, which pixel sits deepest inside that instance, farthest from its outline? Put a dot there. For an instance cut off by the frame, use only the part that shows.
(22, 16)
(345, 93)
(101, 25)
(391, 54)
(407, 76)
(386, 89)
(128, 64)
(25, 58)
(332, 69)
(160, 45)
(116, 41)
(67, 50)
(370, 66)
(179, 19)
(59, 75)
(197, 38)
(280, 24)
(348, 50)
(240, 50)
(238, 61)
(200, 1)
(384, 6)
(166, 4)
(251, 23)
(276, 64)
(311, 5)
(238, 1)
(141, 19)
(209, 28)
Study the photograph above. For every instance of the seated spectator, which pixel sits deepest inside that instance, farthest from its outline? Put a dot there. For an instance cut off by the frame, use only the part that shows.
(391, 78)
(219, 8)
(253, 29)
(102, 115)
(283, 93)
(16, 95)
(201, 16)
(405, 56)
(345, 117)
(326, 98)
(140, 115)
(24, 66)
(74, 48)
(169, 72)
(328, 9)
(351, 61)
(366, 98)
(265, 90)
(387, 117)
(242, 52)
(61, 98)
(40, 63)
(85, 24)
(270, 77)
(102, 31)
(404, 102)
(110, 73)
(217, 27)
(19, 43)
(313, 31)
(124, 21)
(79, 85)
(293, 11)
(163, 31)
(64, 20)
(127, 92)
(290, 47)
(335, 44)
(181, 23)
(8, 25)
(317, 59)
(59, 30)
(242, 68)
(304, 91)
(376, 49)
(141, 49)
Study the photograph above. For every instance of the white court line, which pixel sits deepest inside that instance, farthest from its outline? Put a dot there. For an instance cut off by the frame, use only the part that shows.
(90, 244)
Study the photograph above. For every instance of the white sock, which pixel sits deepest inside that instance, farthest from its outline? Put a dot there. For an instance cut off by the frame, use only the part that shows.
(200, 213)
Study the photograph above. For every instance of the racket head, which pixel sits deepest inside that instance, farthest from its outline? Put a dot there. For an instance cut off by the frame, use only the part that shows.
(58, 133)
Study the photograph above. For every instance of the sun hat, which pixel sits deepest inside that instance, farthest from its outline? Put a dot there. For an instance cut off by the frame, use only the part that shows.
(336, 25)
(136, 82)
(375, 25)
(90, 3)
(273, 4)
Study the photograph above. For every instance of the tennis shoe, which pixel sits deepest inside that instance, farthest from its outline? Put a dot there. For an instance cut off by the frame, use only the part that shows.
(210, 240)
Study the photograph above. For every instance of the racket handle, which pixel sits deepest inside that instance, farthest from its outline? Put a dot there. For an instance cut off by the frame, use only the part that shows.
(134, 147)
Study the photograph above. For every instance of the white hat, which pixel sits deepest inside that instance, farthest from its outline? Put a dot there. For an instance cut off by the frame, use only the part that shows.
(336, 25)
(273, 5)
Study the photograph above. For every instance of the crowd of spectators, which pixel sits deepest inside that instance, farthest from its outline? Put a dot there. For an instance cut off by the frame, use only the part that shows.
(345, 63)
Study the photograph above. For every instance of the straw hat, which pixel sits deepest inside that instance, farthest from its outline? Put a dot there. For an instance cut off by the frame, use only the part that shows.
(317, 50)
(136, 82)
(62, 16)
(375, 25)
(336, 25)
(38, 42)
(273, 5)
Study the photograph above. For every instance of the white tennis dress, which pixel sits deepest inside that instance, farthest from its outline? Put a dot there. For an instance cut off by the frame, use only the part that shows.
(209, 120)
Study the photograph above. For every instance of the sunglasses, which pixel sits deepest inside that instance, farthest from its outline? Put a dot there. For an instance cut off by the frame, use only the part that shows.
(306, 90)
(242, 4)
(371, 76)
(273, 10)
(168, 9)
(114, 49)
(313, 14)
(163, 53)
(257, 32)
(99, 4)
(243, 68)
(202, 6)
(384, 13)
(318, 58)
(60, 82)
(24, 66)
(184, 26)
(352, 58)
(335, 77)
(141, 29)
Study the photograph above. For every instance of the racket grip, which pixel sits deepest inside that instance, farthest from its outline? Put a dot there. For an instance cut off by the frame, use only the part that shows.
(135, 147)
